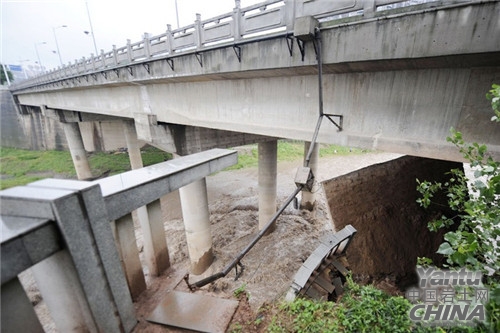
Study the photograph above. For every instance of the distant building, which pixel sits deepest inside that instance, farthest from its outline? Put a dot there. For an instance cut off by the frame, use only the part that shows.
(23, 72)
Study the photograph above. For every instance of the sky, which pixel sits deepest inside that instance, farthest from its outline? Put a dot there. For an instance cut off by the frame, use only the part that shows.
(30, 25)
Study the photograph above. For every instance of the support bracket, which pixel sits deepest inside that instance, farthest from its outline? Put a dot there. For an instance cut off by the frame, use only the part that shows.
(170, 62)
(148, 67)
(302, 47)
(130, 71)
(340, 120)
(94, 75)
(238, 274)
(237, 51)
(199, 57)
(117, 72)
(289, 42)
(316, 46)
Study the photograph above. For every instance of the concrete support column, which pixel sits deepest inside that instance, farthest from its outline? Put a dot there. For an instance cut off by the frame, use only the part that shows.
(77, 150)
(268, 165)
(60, 287)
(194, 202)
(133, 145)
(149, 218)
(309, 198)
(123, 230)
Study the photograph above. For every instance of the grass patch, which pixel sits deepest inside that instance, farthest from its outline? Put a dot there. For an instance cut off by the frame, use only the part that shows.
(360, 309)
(289, 151)
(20, 167)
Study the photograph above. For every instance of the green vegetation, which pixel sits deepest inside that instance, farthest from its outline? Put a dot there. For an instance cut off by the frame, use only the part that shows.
(474, 241)
(20, 167)
(3, 78)
(240, 291)
(360, 309)
(290, 151)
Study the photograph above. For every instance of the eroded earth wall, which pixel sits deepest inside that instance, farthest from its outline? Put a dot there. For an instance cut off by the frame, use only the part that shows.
(380, 202)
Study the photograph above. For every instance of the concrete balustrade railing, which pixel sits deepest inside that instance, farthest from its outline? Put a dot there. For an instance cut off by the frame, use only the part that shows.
(78, 239)
(271, 18)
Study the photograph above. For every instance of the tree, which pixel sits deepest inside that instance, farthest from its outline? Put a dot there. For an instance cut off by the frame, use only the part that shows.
(475, 201)
(3, 70)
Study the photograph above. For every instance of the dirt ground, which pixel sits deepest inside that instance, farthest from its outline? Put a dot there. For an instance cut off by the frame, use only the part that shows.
(233, 203)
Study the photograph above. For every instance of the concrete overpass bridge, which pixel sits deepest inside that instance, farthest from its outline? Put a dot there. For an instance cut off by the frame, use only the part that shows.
(399, 76)
(392, 75)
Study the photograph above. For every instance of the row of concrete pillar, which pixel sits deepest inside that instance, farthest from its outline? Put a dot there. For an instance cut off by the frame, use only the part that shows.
(194, 200)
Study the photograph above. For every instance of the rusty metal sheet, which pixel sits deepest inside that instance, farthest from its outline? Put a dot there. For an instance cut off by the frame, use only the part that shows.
(195, 312)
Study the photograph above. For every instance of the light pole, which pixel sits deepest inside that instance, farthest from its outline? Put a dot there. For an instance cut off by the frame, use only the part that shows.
(91, 28)
(177, 14)
(38, 55)
(57, 45)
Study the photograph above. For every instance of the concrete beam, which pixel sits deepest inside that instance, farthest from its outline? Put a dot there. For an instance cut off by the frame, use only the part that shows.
(132, 189)
(25, 242)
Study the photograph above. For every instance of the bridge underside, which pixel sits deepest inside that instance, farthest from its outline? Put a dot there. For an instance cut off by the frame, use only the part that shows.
(406, 111)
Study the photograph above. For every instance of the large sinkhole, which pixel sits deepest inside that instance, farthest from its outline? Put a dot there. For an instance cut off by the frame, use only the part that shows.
(380, 202)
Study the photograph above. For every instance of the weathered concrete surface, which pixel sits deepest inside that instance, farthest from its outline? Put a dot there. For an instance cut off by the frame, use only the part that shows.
(380, 202)
(10, 126)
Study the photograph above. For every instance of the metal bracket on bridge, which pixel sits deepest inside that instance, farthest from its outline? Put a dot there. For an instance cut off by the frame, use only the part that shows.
(289, 42)
(117, 72)
(302, 48)
(341, 120)
(130, 71)
(237, 51)
(170, 62)
(105, 74)
(148, 67)
(199, 57)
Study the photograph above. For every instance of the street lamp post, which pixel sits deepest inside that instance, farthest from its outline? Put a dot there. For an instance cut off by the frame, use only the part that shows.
(57, 45)
(91, 28)
(38, 55)
(177, 14)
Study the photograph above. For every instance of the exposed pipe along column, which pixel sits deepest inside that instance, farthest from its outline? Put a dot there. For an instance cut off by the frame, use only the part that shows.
(306, 29)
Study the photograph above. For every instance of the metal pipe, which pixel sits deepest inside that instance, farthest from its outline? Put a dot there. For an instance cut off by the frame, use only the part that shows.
(313, 141)
(319, 57)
